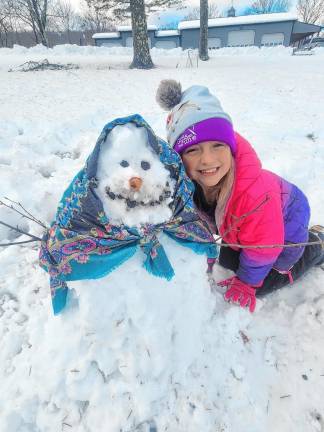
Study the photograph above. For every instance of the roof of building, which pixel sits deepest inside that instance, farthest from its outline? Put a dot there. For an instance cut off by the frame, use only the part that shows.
(111, 35)
(129, 28)
(240, 20)
(161, 33)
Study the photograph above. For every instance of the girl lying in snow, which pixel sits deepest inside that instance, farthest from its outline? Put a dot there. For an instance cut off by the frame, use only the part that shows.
(246, 205)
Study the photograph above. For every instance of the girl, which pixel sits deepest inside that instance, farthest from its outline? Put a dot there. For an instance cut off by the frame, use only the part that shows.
(246, 205)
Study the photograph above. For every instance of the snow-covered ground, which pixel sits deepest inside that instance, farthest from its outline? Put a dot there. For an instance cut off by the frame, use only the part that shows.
(155, 356)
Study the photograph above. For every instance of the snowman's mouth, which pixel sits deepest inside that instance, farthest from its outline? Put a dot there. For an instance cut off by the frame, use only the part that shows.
(132, 203)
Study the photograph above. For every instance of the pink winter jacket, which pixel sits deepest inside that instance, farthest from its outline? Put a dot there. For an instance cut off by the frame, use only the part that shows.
(263, 209)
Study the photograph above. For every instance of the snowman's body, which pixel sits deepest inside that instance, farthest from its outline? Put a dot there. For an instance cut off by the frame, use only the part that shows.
(138, 334)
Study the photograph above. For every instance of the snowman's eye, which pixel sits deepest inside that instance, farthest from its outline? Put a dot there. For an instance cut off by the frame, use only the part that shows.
(124, 163)
(145, 165)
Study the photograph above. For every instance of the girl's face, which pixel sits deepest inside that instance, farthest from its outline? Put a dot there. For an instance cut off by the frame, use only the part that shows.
(207, 162)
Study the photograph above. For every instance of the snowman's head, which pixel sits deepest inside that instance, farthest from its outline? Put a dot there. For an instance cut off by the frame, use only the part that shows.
(134, 186)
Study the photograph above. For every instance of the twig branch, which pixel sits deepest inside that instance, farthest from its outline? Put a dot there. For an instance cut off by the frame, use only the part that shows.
(20, 231)
(16, 243)
(218, 238)
(269, 246)
(26, 213)
(243, 216)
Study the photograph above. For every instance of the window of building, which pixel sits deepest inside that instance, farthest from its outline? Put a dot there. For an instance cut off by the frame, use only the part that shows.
(214, 43)
(241, 38)
(271, 39)
(166, 44)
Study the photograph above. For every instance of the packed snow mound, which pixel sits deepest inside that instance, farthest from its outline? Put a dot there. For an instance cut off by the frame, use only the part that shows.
(135, 352)
(130, 351)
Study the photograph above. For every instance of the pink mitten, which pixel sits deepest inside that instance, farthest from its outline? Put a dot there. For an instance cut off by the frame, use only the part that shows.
(240, 292)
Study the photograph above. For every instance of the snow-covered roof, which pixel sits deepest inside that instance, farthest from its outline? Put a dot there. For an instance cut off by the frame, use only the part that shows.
(239, 20)
(111, 35)
(129, 28)
(161, 33)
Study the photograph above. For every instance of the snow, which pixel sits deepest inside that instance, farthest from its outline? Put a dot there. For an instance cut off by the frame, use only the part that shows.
(129, 28)
(110, 35)
(240, 20)
(132, 351)
(162, 33)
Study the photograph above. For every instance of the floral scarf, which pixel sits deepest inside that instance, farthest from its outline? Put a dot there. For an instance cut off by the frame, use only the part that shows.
(81, 242)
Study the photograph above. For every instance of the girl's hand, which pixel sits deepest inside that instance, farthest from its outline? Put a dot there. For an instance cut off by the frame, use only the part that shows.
(239, 292)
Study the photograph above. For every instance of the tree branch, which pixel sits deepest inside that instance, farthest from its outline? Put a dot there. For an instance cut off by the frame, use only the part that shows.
(16, 243)
(243, 216)
(20, 231)
(321, 242)
(26, 213)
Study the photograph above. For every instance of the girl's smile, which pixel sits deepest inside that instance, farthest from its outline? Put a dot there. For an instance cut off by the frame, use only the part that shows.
(209, 172)
(207, 162)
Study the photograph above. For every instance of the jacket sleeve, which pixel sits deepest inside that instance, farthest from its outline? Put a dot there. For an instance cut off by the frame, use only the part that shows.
(262, 225)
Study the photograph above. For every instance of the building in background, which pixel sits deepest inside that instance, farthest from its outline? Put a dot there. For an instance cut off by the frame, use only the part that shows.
(123, 37)
(232, 31)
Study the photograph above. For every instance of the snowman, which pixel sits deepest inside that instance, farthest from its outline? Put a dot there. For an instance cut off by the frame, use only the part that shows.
(134, 187)
(130, 333)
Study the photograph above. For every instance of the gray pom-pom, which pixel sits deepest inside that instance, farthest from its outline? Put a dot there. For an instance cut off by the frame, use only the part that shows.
(168, 94)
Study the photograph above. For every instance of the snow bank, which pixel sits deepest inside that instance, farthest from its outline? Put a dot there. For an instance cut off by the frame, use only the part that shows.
(67, 49)
(120, 57)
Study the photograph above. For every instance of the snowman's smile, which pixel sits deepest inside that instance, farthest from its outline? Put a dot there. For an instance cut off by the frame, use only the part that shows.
(132, 203)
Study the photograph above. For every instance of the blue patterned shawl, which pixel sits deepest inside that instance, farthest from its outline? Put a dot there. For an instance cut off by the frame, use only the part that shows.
(81, 242)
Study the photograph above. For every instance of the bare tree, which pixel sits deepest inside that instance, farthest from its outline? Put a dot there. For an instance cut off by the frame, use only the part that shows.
(203, 39)
(268, 6)
(95, 19)
(311, 11)
(121, 9)
(63, 18)
(5, 22)
(33, 14)
(194, 14)
(10, 23)
(141, 56)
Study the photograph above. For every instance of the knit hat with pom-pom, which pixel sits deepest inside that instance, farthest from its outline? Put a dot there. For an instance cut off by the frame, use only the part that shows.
(196, 116)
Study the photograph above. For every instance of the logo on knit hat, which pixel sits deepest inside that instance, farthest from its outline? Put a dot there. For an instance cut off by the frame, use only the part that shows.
(188, 137)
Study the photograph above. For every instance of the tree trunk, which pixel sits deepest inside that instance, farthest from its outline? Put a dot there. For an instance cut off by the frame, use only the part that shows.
(35, 32)
(203, 42)
(142, 57)
(40, 18)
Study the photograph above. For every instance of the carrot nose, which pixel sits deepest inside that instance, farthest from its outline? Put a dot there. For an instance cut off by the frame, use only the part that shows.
(135, 183)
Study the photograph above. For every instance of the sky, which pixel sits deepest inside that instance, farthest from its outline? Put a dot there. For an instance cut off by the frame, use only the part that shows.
(221, 4)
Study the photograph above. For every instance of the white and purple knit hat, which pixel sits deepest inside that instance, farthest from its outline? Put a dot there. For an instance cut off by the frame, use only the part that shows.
(196, 116)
